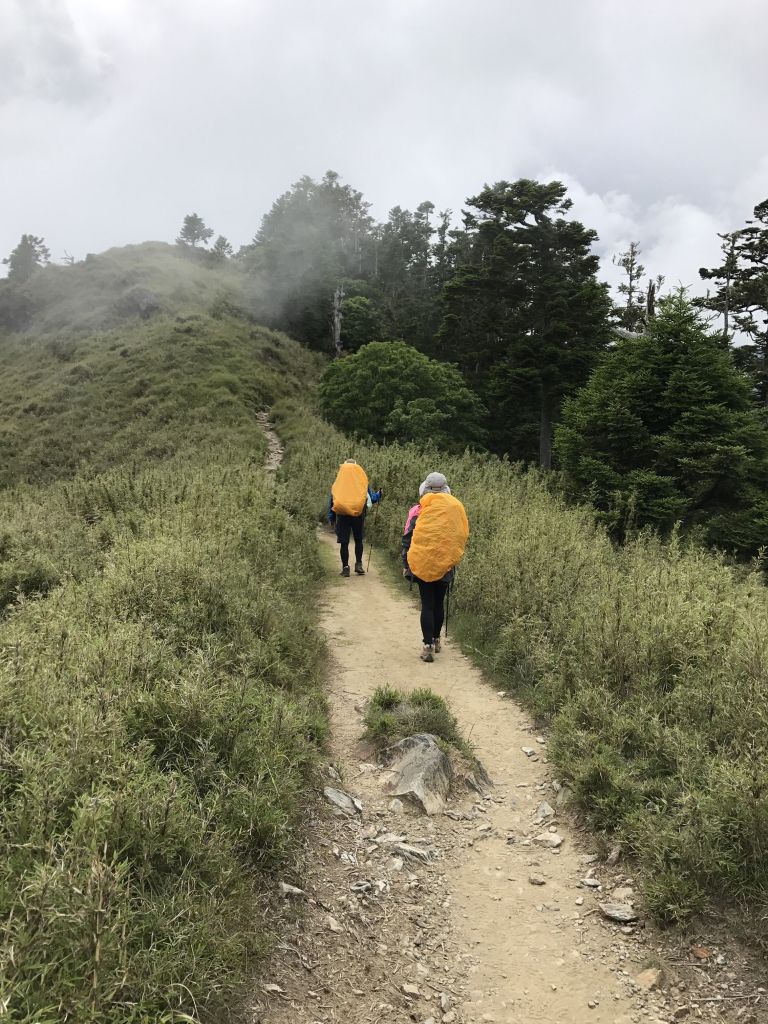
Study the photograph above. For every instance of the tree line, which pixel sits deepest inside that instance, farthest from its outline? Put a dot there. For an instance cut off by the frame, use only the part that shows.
(653, 406)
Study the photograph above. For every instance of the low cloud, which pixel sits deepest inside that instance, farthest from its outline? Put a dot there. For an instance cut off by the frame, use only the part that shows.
(42, 55)
(120, 116)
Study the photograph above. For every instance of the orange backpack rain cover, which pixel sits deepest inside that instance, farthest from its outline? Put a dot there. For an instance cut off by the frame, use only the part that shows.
(350, 490)
(439, 537)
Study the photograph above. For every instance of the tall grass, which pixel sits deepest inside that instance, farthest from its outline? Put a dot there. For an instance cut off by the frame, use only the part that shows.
(650, 662)
(161, 673)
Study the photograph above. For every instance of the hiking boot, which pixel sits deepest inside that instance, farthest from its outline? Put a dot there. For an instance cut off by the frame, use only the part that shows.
(427, 652)
(345, 571)
(359, 569)
(437, 644)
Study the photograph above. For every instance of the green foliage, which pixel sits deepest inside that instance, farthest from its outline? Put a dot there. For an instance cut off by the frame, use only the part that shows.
(361, 323)
(314, 237)
(222, 248)
(160, 687)
(30, 254)
(741, 295)
(392, 715)
(390, 391)
(664, 432)
(525, 317)
(194, 231)
(649, 660)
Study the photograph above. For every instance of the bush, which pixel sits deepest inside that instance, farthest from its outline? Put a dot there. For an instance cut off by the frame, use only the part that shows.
(392, 715)
(389, 391)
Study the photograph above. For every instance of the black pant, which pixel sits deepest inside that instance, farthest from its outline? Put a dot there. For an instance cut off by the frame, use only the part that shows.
(432, 608)
(344, 526)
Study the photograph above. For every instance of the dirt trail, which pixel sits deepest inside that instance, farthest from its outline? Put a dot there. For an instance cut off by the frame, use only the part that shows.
(274, 457)
(469, 935)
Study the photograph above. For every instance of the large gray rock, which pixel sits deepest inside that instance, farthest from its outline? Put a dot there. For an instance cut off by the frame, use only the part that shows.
(420, 771)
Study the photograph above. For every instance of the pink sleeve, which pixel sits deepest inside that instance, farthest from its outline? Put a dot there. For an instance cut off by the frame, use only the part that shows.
(412, 514)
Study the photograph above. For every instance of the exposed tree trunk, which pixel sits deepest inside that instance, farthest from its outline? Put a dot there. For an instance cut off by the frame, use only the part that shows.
(545, 432)
(338, 298)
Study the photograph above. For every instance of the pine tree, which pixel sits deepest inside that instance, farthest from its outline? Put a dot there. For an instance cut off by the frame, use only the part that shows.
(631, 313)
(29, 255)
(316, 237)
(194, 231)
(741, 295)
(525, 316)
(222, 248)
(664, 431)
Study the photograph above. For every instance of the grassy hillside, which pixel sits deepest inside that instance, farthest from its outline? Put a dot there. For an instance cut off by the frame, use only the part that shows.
(649, 661)
(160, 686)
(101, 292)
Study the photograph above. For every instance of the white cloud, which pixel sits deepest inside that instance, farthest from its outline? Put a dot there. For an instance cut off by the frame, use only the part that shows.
(124, 115)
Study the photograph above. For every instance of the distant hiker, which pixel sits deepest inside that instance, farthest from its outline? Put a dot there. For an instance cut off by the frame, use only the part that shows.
(350, 499)
(434, 538)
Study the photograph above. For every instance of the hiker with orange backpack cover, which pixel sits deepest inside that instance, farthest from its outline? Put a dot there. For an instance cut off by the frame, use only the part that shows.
(348, 503)
(435, 535)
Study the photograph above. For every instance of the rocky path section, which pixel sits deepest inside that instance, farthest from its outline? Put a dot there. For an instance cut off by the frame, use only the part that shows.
(275, 451)
(497, 910)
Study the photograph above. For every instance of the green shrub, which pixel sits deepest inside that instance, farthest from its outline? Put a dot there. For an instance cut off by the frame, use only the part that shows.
(392, 715)
(389, 391)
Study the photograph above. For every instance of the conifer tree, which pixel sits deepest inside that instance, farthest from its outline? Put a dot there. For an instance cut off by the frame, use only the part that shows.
(665, 431)
(222, 248)
(525, 316)
(194, 231)
(631, 312)
(29, 255)
(741, 296)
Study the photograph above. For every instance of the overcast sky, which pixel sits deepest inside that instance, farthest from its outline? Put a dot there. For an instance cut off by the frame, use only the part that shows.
(117, 117)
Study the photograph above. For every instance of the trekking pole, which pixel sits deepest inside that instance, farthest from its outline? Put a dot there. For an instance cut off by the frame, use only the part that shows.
(370, 546)
(448, 601)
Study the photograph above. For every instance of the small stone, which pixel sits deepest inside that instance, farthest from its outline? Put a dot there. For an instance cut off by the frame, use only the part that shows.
(430, 1020)
(445, 1002)
(544, 812)
(291, 890)
(551, 840)
(343, 804)
(396, 863)
(396, 806)
(540, 739)
(529, 751)
(273, 989)
(333, 924)
(591, 883)
(650, 979)
(537, 880)
(614, 856)
(623, 894)
(620, 912)
(592, 1004)
(579, 901)
(449, 1018)
(411, 991)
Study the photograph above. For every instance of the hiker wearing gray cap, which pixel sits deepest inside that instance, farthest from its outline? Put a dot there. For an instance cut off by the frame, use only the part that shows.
(434, 537)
